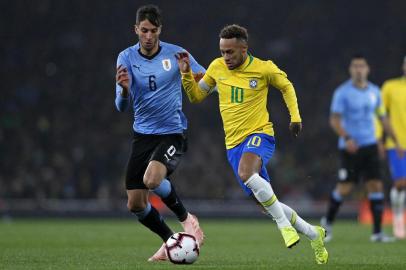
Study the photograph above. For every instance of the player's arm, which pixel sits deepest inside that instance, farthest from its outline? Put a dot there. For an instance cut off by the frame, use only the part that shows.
(123, 83)
(197, 88)
(387, 127)
(336, 111)
(278, 79)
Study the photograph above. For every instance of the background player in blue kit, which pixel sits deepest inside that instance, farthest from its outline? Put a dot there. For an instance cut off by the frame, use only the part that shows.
(148, 77)
(355, 104)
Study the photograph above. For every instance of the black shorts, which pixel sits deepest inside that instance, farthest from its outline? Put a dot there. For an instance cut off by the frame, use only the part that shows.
(166, 149)
(364, 164)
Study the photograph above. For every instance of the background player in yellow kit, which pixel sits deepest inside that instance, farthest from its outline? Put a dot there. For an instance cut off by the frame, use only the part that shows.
(242, 82)
(394, 100)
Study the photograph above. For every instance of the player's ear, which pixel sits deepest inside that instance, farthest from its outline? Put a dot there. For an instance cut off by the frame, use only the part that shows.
(159, 30)
(136, 29)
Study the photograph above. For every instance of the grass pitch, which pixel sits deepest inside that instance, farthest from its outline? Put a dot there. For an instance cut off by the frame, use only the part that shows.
(234, 244)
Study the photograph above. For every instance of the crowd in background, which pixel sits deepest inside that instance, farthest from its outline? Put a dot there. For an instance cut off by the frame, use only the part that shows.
(61, 136)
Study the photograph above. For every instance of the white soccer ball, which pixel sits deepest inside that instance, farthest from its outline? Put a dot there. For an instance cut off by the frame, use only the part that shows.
(182, 248)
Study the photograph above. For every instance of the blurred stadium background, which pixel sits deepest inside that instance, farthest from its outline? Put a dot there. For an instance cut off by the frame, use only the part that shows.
(63, 146)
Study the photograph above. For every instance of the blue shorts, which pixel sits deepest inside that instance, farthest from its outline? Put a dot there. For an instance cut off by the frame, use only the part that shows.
(260, 144)
(397, 165)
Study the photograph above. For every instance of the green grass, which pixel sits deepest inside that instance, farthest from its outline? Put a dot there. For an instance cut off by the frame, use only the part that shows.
(235, 244)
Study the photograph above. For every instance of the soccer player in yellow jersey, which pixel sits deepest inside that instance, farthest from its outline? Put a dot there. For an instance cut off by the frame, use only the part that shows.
(394, 100)
(242, 83)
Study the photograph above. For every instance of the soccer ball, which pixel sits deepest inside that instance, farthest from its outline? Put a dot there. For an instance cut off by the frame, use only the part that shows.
(182, 248)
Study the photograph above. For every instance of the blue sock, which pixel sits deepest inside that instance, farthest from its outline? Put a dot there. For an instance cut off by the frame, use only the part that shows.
(164, 189)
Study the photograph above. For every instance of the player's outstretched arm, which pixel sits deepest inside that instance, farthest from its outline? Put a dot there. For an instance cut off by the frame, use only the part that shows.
(190, 81)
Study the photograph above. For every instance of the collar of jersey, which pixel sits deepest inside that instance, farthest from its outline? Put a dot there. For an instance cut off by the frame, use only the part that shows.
(150, 57)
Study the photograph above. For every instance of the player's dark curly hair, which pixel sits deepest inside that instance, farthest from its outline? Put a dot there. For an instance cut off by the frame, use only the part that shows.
(150, 13)
(234, 31)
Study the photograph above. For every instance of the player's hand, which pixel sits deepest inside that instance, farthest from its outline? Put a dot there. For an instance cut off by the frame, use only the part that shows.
(183, 61)
(399, 151)
(198, 76)
(381, 150)
(295, 128)
(351, 146)
(122, 78)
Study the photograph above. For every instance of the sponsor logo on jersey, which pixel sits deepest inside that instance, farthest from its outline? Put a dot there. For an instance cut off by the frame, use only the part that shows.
(253, 83)
(166, 64)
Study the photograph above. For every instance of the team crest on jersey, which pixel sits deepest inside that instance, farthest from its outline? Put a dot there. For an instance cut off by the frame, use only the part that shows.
(166, 63)
(253, 83)
(373, 98)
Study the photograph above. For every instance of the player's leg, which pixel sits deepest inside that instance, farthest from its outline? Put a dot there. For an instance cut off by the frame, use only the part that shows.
(256, 152)
(154, 179)
(397, 167)
(347, 175)
(148, 216)
(164, 160)
(316, 234)
(137, 192)
(371, 168)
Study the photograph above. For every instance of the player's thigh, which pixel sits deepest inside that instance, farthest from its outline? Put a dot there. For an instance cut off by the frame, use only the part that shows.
(141, 150)
(155, 172)
(257, 151)
(371, 168)
(397, 167)
(348, 172)
(166, 156)
(137, 199)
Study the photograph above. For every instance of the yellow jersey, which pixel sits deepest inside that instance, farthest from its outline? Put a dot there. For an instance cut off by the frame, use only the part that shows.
(243, 94)
(394, 100)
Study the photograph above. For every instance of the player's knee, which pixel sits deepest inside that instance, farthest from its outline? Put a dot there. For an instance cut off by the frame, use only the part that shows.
(244, 174)
(134, 205)
(375, 186)
(344, 189)
(400, 184)
(152, 180)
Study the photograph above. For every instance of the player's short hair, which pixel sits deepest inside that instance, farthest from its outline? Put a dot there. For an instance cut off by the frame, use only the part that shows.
(359, 56)
(150, 13)
(234, 31)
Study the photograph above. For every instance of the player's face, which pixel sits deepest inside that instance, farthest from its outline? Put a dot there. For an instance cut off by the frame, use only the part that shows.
(233, 51)
(359, 69)
(148, 35)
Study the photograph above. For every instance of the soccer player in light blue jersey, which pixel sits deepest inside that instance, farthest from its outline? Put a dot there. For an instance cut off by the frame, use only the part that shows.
(355, 104)
(148, 78)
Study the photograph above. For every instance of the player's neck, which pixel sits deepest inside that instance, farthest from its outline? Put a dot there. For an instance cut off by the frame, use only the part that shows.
(244, 58)
(360, 84)
(149, 54)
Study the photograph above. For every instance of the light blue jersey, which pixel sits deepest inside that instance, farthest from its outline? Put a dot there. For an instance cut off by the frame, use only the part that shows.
(155, 89)
(357, 108)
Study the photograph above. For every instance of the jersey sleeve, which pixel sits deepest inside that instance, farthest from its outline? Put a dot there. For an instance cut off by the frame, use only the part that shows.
(195, 66)
(380, 108)
(122, 103)
(278, 79)
(208, 83)
(198, 91)
(337, 103)
(386, 96)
